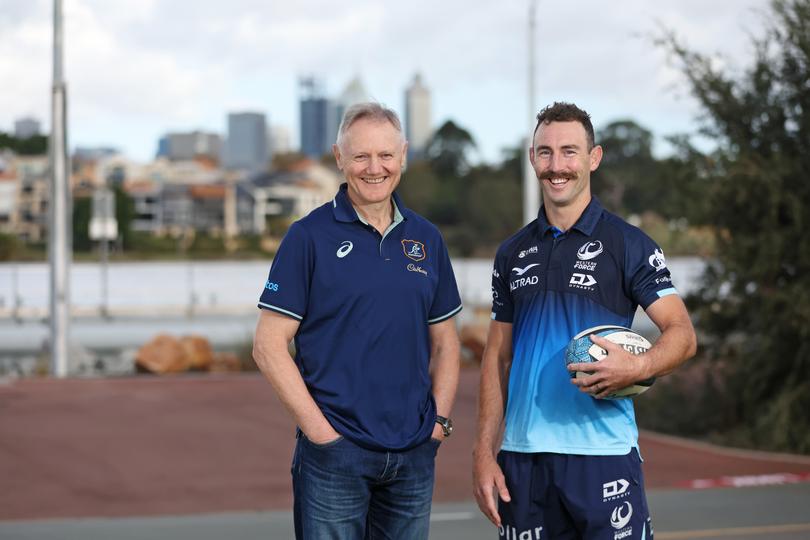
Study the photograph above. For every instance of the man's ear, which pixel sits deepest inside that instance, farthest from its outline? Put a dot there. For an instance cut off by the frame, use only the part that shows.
(596, 157)
(336, 152)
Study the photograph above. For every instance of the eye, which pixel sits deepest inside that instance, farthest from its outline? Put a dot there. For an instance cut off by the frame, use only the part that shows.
(545, 154)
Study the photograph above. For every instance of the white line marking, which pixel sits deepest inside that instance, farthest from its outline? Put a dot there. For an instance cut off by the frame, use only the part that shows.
(452, 516)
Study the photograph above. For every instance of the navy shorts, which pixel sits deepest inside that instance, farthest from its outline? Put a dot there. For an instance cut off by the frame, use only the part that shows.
(563, 496)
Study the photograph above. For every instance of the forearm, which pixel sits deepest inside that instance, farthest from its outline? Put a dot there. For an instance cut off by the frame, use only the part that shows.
(273, 359)
(676, 344)
(493, 388)
(445, 364)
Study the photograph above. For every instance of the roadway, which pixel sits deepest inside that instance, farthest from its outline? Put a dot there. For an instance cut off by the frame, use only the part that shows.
(207, 456)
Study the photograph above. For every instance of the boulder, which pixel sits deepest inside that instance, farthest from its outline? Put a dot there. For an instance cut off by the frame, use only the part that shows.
(163, 354)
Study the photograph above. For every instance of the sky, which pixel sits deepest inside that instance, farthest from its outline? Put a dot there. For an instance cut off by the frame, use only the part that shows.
(137, 69)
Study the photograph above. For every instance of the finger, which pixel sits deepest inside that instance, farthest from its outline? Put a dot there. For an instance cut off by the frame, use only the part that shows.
(584, 366)
(603, 342)
(503, 492)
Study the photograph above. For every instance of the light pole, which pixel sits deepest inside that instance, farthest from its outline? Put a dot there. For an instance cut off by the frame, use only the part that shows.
(59, 247)
(531, 191)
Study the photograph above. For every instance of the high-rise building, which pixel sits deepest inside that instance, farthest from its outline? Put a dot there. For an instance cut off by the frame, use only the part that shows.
(247, 146)
(319, 120)
(26, 127)
(354, 92)
(418, 127)
(187, 146)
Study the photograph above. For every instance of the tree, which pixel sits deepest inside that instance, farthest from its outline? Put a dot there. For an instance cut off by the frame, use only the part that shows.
(753, 308)
(448, 150)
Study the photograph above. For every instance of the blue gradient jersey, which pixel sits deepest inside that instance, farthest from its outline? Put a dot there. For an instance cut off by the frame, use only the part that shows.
(552, 285)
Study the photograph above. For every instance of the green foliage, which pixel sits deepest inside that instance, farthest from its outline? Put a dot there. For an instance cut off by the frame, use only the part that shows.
(82, 212)
(124, 214)
(753, 309)
(9, 246)
(32, 146)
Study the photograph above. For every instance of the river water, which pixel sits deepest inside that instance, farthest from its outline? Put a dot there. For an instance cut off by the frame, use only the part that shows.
(214, 299)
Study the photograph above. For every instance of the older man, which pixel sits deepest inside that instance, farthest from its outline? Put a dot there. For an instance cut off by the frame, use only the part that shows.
(365, 288)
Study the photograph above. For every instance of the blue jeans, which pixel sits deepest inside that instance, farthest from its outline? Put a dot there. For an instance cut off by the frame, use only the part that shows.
(343, 491)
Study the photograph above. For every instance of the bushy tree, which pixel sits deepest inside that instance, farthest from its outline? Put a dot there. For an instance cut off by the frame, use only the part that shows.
(753, 309)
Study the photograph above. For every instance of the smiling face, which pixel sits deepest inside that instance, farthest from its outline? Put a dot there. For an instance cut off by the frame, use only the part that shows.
(563, 163)
(371, 154)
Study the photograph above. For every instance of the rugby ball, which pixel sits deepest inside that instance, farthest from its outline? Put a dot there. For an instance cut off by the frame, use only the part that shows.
(582, 349)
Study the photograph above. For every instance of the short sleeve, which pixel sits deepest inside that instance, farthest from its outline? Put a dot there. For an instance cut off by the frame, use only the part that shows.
(447, 301)
(286, 290)
(647, 275)
(502, 306)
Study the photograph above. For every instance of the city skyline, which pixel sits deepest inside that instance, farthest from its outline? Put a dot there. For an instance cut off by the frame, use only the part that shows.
(134, 76)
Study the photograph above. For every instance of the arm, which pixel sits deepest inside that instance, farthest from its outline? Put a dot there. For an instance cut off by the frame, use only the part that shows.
(444, 367)
(619, 369)
(488, 479)
(270, 350)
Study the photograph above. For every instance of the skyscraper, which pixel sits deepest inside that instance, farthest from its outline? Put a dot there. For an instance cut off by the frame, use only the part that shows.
(26, 127)
(319, 121)
(246, 148)
(418, 128)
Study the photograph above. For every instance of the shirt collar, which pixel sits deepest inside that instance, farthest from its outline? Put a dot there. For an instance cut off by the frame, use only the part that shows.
(585, 224)
(344, 211)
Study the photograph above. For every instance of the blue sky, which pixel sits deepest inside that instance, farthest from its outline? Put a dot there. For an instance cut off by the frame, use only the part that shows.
(139, 68)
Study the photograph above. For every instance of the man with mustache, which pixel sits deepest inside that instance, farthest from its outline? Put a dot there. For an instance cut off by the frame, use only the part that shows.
(365, 288)
(553, 458)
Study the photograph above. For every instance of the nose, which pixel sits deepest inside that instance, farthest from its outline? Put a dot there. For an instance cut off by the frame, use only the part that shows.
(556, 161)
(374, 165)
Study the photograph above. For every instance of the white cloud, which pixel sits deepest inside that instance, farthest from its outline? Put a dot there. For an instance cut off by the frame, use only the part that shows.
(137, 68)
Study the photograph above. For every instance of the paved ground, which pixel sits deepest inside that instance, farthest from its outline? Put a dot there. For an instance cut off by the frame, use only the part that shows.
(182, 446)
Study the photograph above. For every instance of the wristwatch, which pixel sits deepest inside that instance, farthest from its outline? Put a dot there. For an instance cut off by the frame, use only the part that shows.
(446, 423)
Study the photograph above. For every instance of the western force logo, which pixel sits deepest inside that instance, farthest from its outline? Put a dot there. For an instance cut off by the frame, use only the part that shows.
(414, 250)
(344, 249)
(590, 250)
(657, 260)
(614, 490)
(521, 271)
(529, 251)
(621, 515)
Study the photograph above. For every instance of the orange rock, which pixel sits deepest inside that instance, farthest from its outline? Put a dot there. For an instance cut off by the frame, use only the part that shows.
(198, 351)
(163, 354)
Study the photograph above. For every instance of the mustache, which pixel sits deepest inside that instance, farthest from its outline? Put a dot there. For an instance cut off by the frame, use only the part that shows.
(548, 175)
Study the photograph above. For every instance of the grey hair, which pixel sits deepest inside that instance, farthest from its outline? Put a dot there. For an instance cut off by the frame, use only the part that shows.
(372, 111)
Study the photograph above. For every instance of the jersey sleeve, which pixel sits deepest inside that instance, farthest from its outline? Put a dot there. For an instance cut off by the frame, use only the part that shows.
(502, 306)
(286, 290)
(646, 273)
(447, 301)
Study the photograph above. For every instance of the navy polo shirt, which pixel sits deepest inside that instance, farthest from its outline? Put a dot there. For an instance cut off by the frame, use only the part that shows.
(551, 285)
(365, 302)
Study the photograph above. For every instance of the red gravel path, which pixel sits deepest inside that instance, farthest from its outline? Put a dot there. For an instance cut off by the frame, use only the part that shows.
(198, 444)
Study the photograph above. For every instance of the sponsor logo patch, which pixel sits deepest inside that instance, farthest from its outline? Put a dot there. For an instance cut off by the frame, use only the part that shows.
(344, 249)
(582, 281)
(270, 286)
(414, 250)
(413, 268)
(529, 251)
(616, 489)
(520, 271)
(657, 260)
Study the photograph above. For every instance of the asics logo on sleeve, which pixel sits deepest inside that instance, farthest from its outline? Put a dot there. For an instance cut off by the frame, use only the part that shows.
(344, 249)
(521, 271)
